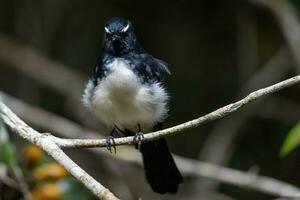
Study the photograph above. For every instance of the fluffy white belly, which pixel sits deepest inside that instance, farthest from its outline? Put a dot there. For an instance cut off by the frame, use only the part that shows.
(121, 99)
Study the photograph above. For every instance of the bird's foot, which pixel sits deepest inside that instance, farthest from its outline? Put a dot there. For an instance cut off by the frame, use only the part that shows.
(139, 137)
(111, 144)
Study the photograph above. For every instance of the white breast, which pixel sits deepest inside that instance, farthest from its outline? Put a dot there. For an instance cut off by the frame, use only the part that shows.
(121, 99)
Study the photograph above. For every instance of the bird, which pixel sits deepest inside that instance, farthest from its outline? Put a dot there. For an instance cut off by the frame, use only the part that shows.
(125, 92)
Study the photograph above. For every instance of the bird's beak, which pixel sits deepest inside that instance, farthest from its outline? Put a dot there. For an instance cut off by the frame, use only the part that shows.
(116, 41)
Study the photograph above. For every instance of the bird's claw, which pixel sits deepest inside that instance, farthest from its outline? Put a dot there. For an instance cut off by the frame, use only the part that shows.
(139, 137)
(110, 143)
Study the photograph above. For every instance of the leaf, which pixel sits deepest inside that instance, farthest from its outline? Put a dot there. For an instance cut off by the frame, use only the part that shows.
(291, 141)
(74, 190)
(3, 132)
(7, 153)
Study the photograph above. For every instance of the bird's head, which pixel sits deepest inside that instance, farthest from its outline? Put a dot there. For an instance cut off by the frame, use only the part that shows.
(119, 37)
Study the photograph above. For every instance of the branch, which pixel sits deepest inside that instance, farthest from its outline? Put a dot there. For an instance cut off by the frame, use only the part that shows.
(33, 64)
(217, 175)
(19, 176)
(37, 66)
(248, 180)
(217, 114)
(188, 167)
(221, 142)
(46, 120)
(49, 146)
(219, 146)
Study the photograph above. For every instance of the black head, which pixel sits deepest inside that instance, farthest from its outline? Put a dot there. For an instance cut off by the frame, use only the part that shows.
(119, 38)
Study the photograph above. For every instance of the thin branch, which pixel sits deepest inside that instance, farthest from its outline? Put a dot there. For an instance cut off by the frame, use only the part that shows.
(221, 142)
(4, 178)
(45, 143)
(32, 63)
(46, 120)
(37, 66)
(188, 167)
(180, 128)
(217, 114)
(243, 179)
(21, 181)
(223, 134)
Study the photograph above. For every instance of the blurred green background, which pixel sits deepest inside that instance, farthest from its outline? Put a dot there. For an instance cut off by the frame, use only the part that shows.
(218, 52)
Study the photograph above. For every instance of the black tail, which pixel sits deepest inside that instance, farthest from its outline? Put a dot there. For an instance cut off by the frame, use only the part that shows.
(161, 171)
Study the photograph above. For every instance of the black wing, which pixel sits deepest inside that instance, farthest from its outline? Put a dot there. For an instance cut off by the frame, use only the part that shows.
(99, 70)
(148, 68)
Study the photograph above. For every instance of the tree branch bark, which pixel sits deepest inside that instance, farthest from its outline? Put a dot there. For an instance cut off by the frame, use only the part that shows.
(217, 114)
(189, 167)
(49, 146)
(248, 180)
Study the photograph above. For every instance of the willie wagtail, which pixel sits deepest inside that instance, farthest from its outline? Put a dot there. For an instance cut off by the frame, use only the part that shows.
(125, 92)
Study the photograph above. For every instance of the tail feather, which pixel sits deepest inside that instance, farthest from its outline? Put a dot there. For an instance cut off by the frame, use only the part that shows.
(160, 168)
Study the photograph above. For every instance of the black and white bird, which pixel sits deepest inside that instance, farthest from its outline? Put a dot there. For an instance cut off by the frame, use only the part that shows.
(125, 92)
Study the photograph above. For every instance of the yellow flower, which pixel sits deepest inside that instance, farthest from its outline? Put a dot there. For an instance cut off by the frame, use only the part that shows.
(33, 154)
(52, 171)
(47, 191)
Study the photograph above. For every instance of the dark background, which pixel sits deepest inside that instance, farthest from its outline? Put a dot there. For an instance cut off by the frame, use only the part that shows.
(215, 50)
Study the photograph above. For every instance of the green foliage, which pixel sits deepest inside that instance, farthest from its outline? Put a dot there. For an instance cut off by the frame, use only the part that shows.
(291, 141)
(3, 132)
(7, 153)
(74, 190)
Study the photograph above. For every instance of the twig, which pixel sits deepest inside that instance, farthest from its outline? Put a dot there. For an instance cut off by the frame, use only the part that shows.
(273, 71)
(189, 167)
(32, 63)
(45, 143)
(217, 114)
(221, 142)
(180, 128)
(46, 120)
(6, 179)
(247, 180)
(21, 181)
